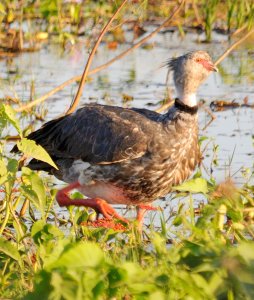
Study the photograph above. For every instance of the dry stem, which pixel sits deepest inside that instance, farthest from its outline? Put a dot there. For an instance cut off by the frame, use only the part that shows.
(75, 103)
(77, 78)
(232, 47)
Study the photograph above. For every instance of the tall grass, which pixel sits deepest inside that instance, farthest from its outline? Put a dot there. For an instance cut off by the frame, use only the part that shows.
(200, 250)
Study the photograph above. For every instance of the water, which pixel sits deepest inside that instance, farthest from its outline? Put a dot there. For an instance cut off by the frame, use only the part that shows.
(141, 76)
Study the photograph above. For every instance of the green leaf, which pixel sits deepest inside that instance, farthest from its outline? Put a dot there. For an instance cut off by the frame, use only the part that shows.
(3, 172)
(178, 220)
(42, 233)
(132, 270)
(34, 188)
(80, 255)
(37, 227)
(29, 148)
(2, 9)
(246, 250)
(10, 115)
(10, 250)
(42, 287)
(197, 185)
(158, 295)
(235, 215)
(202, 139)
(40, 229)
(8, 169)
(12, 166)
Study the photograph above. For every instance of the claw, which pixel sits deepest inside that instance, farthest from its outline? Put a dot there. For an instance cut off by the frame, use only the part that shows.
(106, 210)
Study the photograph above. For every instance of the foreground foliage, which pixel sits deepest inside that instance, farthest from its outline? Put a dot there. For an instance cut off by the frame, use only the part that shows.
(205, 252)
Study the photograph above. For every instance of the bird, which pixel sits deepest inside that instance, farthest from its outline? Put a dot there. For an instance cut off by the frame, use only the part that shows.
(131, 156)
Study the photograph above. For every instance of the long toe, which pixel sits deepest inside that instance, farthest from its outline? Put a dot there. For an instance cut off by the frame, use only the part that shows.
(107, 211)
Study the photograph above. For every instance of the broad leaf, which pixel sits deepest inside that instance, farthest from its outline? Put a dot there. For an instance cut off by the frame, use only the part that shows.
(41, 232)
(80, 255)
(2, 9)
(10, 250)
(197, 185)
(3, 172)
(30, 148)
(9, 114)
(34, 188)
(8, 171)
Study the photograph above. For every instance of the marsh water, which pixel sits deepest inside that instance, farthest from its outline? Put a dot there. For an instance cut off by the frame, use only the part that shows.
(230, 148)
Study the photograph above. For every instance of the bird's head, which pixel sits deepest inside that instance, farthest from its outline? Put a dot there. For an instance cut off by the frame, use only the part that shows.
(189, 71)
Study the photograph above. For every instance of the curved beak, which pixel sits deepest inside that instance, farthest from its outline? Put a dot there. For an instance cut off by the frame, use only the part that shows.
(209, 65)
(213, 68)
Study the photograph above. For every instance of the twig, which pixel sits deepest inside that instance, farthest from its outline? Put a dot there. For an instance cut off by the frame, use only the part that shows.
(208, 124)
(77, 78)
(46, 96)
(213, 117)
(142, 41)
(24, 208)
(232, 47)
(239, 30)
(75, 103)
(197, 16)
(165, 106)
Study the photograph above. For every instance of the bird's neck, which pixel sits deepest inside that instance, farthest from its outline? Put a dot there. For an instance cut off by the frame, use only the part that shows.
(188, 99)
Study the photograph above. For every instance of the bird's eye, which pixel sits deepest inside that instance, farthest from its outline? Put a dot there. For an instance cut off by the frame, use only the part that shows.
(198, 59)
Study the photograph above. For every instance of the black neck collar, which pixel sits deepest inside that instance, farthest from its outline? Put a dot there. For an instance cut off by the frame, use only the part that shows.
(189, 109)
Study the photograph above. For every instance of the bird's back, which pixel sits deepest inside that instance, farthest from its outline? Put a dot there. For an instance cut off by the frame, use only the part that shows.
(95, 134)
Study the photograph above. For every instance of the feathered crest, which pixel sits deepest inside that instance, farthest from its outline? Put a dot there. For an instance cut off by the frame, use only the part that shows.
(173, 63)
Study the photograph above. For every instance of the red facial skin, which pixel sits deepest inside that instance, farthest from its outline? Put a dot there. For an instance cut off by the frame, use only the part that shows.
(206, 64)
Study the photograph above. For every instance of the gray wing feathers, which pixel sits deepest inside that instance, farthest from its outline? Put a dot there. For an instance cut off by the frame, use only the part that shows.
(96, 134)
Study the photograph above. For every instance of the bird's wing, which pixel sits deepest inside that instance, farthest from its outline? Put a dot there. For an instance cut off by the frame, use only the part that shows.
(95, 134)
(149, 114)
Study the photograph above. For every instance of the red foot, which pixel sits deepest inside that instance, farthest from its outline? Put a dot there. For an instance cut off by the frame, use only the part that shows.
(101, 206)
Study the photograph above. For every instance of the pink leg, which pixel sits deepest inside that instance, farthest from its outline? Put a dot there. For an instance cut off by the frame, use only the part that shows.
(99, 205)
(141, 211)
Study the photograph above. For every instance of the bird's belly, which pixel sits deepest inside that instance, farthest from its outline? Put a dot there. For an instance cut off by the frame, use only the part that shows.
(105, 191)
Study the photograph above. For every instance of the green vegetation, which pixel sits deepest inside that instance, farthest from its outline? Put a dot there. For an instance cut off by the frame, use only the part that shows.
(200, 250)
(205, 252)
(24, 24)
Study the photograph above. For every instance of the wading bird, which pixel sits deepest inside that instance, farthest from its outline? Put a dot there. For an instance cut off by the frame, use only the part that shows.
(131, 156)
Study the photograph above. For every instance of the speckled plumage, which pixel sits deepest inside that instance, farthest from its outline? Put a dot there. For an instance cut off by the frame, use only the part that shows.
(127, 156)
